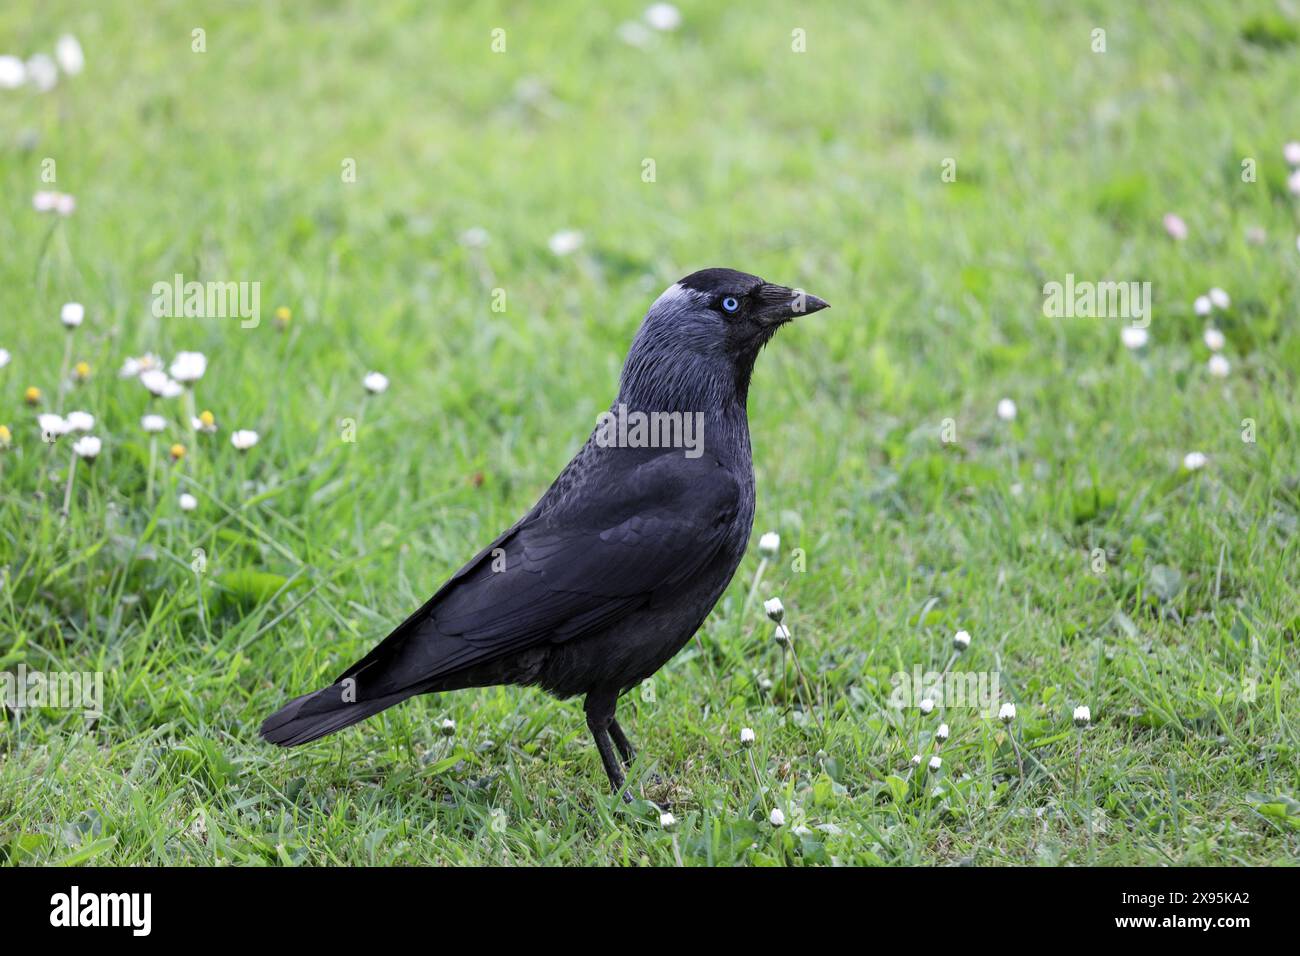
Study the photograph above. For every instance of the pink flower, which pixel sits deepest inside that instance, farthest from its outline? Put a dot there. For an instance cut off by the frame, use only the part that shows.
(1175, 226)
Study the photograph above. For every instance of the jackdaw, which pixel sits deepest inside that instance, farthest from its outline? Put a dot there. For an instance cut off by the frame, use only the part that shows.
(616, 567)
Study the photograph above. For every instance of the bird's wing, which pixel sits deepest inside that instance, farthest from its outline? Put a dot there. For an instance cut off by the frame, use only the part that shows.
(627, 535)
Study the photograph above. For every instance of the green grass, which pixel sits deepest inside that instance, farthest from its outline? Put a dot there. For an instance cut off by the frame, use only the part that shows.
(819, 169)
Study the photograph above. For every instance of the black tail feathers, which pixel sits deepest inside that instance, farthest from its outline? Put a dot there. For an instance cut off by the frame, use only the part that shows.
(315, 715)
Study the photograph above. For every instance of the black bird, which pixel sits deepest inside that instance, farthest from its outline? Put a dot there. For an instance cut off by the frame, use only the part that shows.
(619, 563)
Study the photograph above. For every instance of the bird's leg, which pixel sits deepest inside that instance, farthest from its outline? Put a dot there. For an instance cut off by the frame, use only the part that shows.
(625, 748)
(600, 714)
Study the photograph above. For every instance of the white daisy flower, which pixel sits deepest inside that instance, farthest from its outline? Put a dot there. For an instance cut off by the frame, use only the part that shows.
(663, 16)
(774, 608)
(1082, 716)
(916, 760)
(747, 736)
(926, 705)
(1133, 337)
(961, 640)
(1202, 305)
(45, 201)
(1195, 460)
(42, 72)
(1007, 713)
(1219, 298)
(52, 426)
(13, 73)
(243, 439)
(935, 763)
(1214, 339)
(153, 423)
(942, 733)
(4, 357)
(64, 204)
(67, 50)
(1218, 366)
(781, 635)
(187, 501)
(448, 727)
(1293, 182)
(80, 421)
(768, 545)
(133, 366)
(1291, 151)
(565, 242)
(667, 820)
(375, 382)
(777, 818)
(87, 447)
(160, 383)
(72, 314)
(188, 367)
(1007, 410)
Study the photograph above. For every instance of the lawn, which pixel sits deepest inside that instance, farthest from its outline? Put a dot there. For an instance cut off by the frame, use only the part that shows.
(397, 184)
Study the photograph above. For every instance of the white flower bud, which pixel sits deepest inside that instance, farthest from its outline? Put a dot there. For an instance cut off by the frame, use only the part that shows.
(774, 608)
(768, 545)
(961, 641)
(1007, 713)
(746, 736)
(1082, 716)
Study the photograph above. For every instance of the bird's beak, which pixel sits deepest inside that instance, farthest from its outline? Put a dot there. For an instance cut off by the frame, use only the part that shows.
(778, 303)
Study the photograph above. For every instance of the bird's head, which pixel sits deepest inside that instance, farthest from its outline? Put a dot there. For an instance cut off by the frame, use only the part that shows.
(704, 332)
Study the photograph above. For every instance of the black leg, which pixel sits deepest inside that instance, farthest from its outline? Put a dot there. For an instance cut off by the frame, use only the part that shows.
(625, 748)
(600, 714)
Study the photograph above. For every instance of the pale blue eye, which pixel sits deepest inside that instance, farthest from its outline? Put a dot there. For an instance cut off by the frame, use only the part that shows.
(729, 304)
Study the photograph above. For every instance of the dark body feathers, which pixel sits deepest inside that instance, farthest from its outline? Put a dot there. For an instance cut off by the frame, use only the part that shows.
(617, 565)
